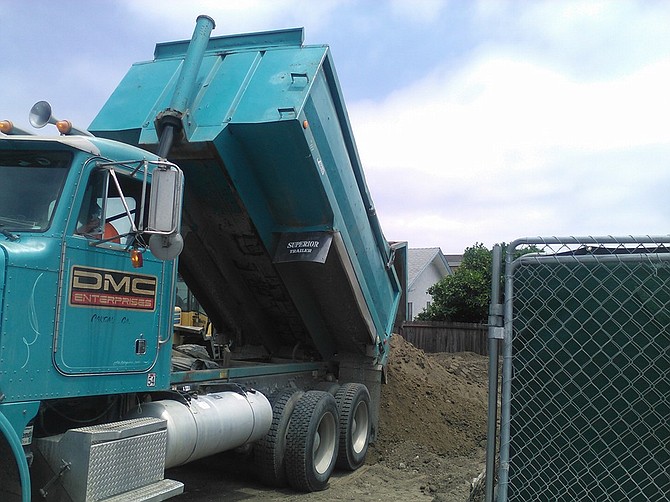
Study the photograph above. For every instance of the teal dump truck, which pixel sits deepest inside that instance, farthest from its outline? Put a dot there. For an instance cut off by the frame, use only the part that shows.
(229, 163)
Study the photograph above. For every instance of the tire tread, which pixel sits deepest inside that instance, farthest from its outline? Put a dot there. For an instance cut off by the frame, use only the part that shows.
(298, 455)
(269, 451)
(346, 398)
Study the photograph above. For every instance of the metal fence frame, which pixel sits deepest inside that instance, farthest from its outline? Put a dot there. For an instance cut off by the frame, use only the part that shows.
(646, 251)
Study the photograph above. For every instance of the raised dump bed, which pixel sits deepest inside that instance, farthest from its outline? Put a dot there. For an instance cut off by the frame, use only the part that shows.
(282, 244)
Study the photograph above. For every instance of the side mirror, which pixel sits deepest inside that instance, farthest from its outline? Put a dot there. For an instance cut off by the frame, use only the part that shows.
(165, 201)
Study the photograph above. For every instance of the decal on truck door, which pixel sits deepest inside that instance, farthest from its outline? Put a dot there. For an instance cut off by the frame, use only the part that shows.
(102, 288)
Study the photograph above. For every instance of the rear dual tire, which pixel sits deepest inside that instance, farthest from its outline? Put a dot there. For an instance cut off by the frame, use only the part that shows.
(270, 451)
(353, 403)
(312, 433)
(312, 441)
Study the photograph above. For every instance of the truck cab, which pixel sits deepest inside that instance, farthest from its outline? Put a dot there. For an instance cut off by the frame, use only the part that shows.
(85, 310)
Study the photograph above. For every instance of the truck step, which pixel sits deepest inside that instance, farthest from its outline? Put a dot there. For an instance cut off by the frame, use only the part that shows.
(161, 490)
(109, 460)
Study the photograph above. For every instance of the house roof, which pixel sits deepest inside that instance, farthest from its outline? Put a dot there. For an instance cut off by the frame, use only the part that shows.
(454, 260)
(419, 258)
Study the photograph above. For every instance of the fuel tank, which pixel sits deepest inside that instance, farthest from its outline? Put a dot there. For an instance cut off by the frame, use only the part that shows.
(210, 423)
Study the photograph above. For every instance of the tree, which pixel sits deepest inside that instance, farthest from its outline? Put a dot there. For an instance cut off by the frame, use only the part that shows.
(465, 295)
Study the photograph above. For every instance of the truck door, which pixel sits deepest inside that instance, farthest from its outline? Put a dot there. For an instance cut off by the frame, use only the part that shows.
(109, 318)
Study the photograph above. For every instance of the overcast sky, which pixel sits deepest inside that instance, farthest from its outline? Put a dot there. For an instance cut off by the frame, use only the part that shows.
(476, 121)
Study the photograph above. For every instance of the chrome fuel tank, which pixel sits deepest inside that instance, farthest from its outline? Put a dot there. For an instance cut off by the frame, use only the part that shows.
(210, 423)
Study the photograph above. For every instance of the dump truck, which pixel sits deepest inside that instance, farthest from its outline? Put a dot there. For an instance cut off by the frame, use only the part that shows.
(228, 162)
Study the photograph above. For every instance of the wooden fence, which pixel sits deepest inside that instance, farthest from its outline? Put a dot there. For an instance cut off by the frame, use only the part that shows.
(432, 336)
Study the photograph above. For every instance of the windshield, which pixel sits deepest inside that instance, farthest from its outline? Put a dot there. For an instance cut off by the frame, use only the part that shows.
(30, 183)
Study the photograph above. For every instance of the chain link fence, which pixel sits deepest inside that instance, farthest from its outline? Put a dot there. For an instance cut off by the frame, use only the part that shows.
(586, 371)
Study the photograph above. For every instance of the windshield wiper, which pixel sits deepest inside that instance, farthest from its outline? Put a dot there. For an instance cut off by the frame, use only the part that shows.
(10, 236)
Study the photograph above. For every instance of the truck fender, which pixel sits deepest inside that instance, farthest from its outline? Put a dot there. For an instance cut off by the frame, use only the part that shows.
(11, 438)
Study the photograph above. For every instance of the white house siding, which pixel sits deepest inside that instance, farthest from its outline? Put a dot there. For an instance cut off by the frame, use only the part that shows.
(418, 294)
(427, 266)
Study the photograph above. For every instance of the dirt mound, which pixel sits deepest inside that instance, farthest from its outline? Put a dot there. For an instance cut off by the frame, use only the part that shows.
(438, 401)
(433, 419)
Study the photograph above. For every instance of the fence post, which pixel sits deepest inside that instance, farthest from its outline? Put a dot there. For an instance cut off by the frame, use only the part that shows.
(494, 334)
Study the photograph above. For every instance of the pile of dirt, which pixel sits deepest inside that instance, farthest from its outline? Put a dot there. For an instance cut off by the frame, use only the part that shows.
(436, 400)
(433, 418)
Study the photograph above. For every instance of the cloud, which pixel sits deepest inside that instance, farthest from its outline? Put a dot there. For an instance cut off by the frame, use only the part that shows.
(598, 37)
(424, 12)
(234, 17)
(508, 147)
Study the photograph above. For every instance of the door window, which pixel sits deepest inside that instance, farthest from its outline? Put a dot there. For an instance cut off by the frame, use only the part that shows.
(103, 214)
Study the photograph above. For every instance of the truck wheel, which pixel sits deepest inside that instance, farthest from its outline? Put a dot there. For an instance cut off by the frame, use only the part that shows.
(353, 403)
(269, 451)
(10, 479)
(311, 442)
